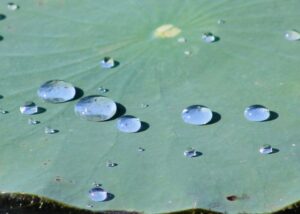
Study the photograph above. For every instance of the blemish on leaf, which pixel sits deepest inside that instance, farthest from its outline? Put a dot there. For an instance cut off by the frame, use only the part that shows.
(166, 31)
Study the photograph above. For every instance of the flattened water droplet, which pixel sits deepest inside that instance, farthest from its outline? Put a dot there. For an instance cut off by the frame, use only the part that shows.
(102, 90)
(97, 194)
(28, 108)
(12, 6)
(292, 35)
(32, 121)
(111, 164)
(266, 149)
(190, 152)
(96, 108)
(181, 40)
(56, 91)
(107, 62)
(49, 130)
(257, 113)
(208, 37)
(196, 115)
(128, 124)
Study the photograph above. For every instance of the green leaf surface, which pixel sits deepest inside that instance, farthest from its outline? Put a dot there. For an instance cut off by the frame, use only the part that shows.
(252, 63)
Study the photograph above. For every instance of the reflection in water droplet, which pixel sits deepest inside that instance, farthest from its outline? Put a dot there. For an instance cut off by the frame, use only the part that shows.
(12, 6)
(56, 91)
(181, 40)
(97, 194)
(29, 107)
(292, 35)
(190, 152)
(96, 108)
(102, 90)
(208, 37)
(32, 121)
(196, 115)
(107, 62)
(111, 164)
(266, 149)
(49, 130)
(257, 113)
(129, 124)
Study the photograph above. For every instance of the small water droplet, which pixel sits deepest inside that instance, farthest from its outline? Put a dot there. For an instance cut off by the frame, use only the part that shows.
(208, 38)
(33, 121)
(2, 111)
(196, 115)
(89, 206)
(187, 53)
(190, 152)
(28, 108)
(256, 113)
(292, 35)
(181, 40)
(221, 21)
(97, 194)
(12, 6)
(96, 108)
(56, 91)
(140, 149)
(49, 130)
(102, 90)
(144, 105)
(107, 62)
(266, 149)
(128, 124)
(111, 164)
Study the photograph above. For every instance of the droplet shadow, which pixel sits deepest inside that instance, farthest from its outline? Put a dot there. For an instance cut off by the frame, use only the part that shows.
(116, 64)
(41, 110)
(1, 97)
(217, 39)
(2, 17)
(109, 197)
(274, 151)
(121, 110)
(198, 154)
(144, 126)
(216, 117)
(1, 38)
(78, 93)
(273, 116)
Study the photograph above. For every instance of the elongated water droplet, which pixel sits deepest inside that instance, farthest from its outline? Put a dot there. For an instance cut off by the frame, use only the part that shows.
(56, 91)
(266, 149)
(129, 124)
(102, 90)
(196, 115)
(96, 108)
(32, 121)
(292, 35)
(2, 111)
(257, 113)
(107, 62)
(111, 164)
(97, 194)
(208, 37)
(29, 107)
(49, 130)
(181, 40)
(12, 6)
(190, 152)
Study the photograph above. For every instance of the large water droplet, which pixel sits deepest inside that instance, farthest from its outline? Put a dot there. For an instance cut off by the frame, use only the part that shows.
(129, 124)
(107, 62)
(292, 35)
(97, 194)
(29, 107)
(190, 152)
(56, 91)
(12, 6)
(96, 108)
(266, 149)
(196, 115)
(256, 113)
(208, 37)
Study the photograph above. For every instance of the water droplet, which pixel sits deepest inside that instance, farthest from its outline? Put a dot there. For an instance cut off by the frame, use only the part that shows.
(266, 149)
(190, 152)
(129, 124)
(2, 111)
(232, 198)
(89, 206)
(196, 115)
(221, 21)
(32, 121)
(102, 90)
(140, 149)
(144, 105)
(97, 194)
(257, 113)
(292, 35)
(181, 40)
(107, 62)
(56, 91)
(111, 164)
(29, 107)
(96, 108)
(49, 130)
(187, 53)
(208, 37)
(12, 6)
